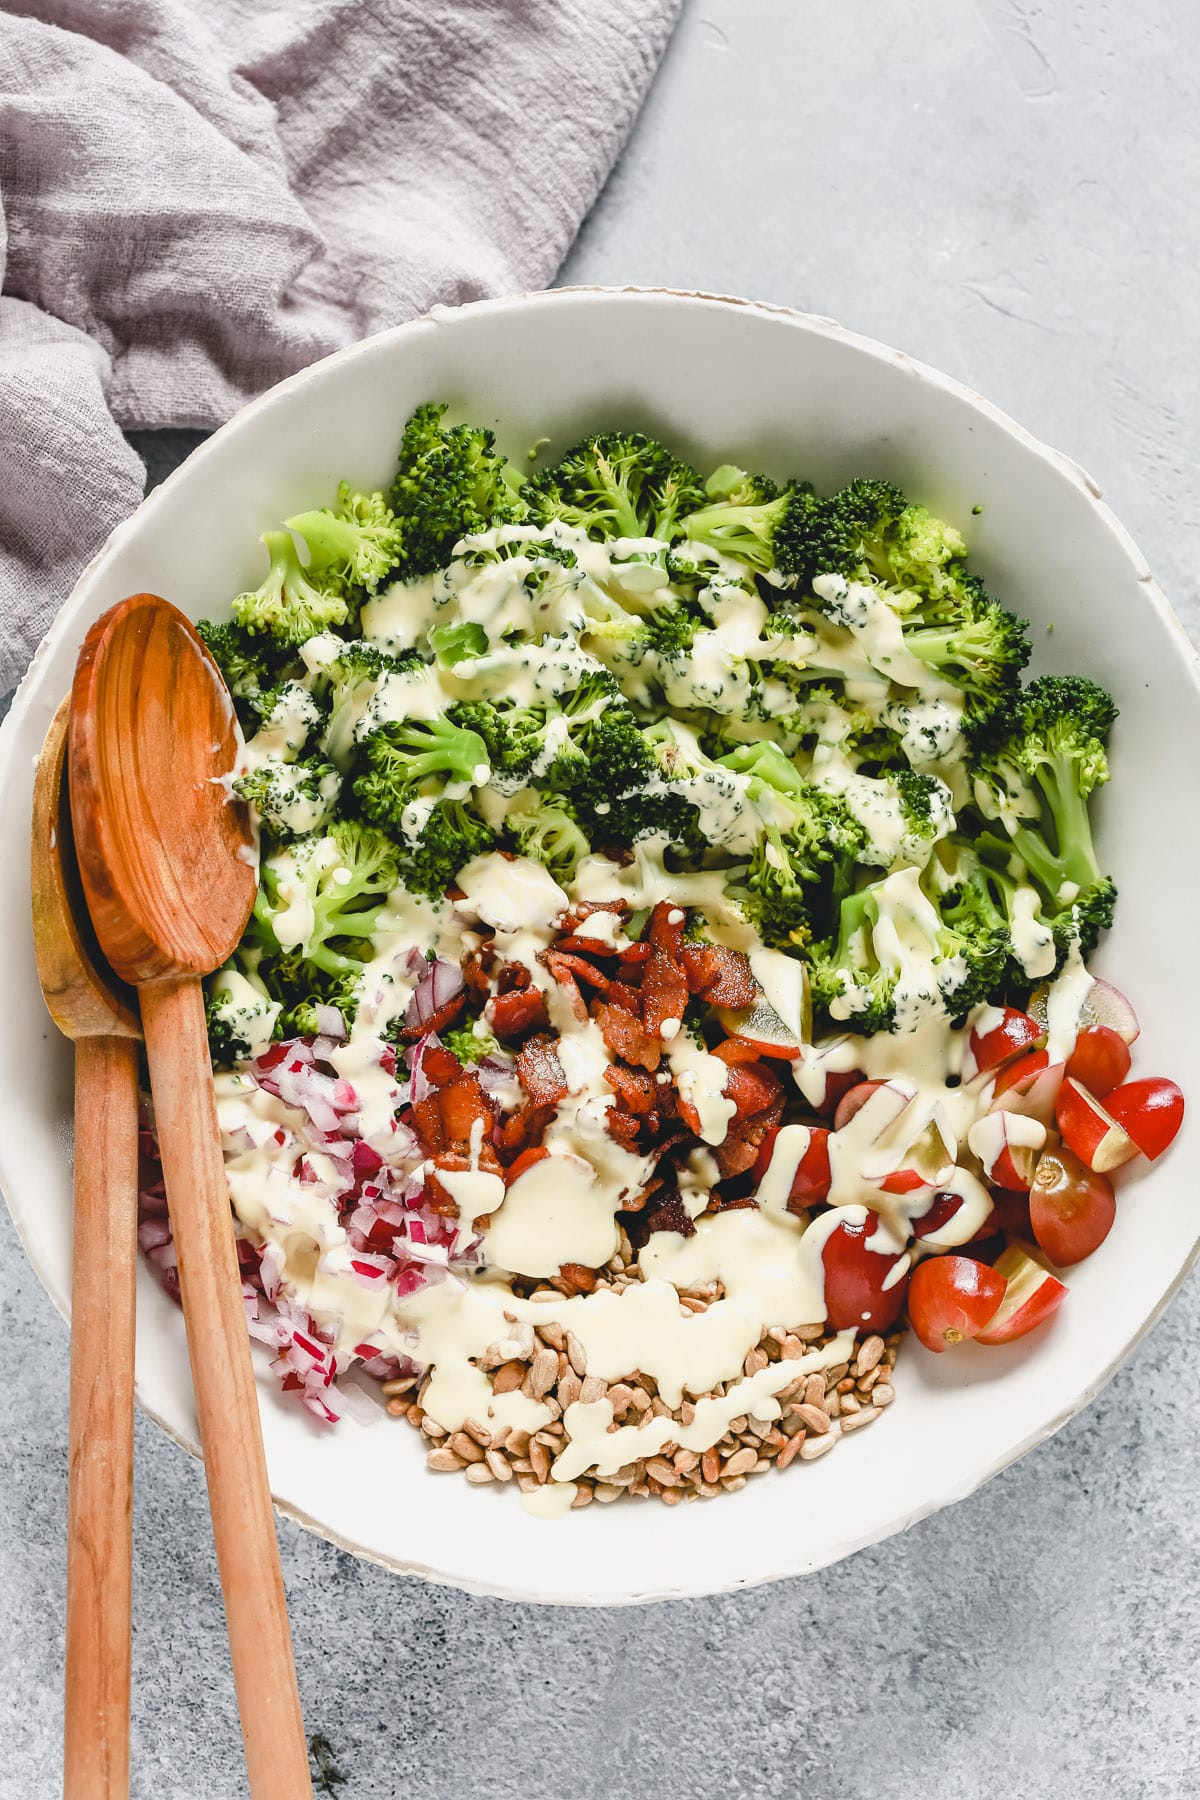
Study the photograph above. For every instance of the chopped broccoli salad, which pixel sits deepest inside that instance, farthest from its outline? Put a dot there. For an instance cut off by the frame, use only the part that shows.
(671, 932)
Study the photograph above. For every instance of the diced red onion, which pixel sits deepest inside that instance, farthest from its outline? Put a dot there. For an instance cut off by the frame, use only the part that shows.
(440, 983)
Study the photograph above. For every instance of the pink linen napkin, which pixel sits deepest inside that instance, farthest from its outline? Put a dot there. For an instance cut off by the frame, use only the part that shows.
(198, 200)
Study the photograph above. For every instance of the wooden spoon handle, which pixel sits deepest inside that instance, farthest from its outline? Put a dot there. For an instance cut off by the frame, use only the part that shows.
(100, 1482)
(226, 1401)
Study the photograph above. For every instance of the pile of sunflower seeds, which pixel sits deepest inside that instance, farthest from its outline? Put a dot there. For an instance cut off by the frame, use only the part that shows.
(549, 1364)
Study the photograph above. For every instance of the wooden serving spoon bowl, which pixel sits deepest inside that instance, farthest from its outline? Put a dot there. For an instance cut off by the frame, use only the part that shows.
(170, 873)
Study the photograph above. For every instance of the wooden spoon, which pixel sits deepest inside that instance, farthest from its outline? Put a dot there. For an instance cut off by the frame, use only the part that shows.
(99, 1013)
(169, 874)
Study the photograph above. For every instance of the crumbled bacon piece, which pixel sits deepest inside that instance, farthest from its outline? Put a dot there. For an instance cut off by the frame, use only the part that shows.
(626, 1036)
(668, 1213)
(665, 929)
(441, 1020)
(562, 963)
(576, 1279)
(540, 1071)
(439, 1065)
(628, 998)
(664, 991)
(634, 1088)
(517, 1013)
(720, 976)
(622, 1126)
(464, 1105)
(513, 978)
(518, 1130)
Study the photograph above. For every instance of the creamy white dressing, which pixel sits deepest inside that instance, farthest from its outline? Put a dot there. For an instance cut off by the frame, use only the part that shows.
(540, 618)
(701, 1080)
(1064, 1006)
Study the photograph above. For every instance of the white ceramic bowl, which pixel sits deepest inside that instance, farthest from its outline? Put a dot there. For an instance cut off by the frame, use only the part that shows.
(719, 379)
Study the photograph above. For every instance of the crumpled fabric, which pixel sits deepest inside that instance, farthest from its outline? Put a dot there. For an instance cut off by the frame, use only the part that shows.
(196, 201)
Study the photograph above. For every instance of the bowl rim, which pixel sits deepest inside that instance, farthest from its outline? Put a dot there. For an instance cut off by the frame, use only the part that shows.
(820, 326)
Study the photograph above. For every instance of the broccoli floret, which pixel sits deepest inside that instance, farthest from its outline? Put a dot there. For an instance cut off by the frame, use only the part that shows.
(804, 861)
(300, 987)
(332, 888)
(432, 854)
(617, 760)
(450, 483)
(513, 735)
(982, 902)
(241, 1015)
(292, 799)
(550, 832)
(289, 607)
(666, 629)
(845, 975)
(1088, 915)
(867, 531)
(766, 534)
(355, 543)
(457, 642)
(618, 485)
(469, 1045)
(1057, 750)
(738, 487)
(285, 719)
(896, 957)
(352, 680)
(982, 650)
(251, 665)
(923, 555)
(407, 752)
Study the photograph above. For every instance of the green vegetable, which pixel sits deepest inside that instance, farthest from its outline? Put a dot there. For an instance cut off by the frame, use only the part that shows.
(618, 485)
(449, 482)
(289, 606)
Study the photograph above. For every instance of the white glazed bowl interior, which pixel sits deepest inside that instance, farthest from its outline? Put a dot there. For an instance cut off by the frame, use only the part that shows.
(791, 394)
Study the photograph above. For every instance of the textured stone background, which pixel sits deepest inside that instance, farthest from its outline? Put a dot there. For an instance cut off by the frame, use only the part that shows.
(1007, 189)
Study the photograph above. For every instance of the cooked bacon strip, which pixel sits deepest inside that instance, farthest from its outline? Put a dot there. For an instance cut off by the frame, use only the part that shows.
(426, 1121)
(562, 963)
(540, 1071)
(583, 909)
(475, 970)
(664, 991)
(667, 1213)
(440, 1020)
(464, 1105)
(522, 1128)
(622, 1126)
(633, 955)
(740, 1150)
(665, 930)
(437, 1198)
(578, 945)
(439, 1065)
(577, 1279)
(721, 976)
(560, 968)
(513, 978)
(515, 1014)
(620, 994)
(634, 1088)
(626, 1037)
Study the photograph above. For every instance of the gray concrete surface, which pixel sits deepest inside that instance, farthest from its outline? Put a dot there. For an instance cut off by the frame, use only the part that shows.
(1006, 188)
